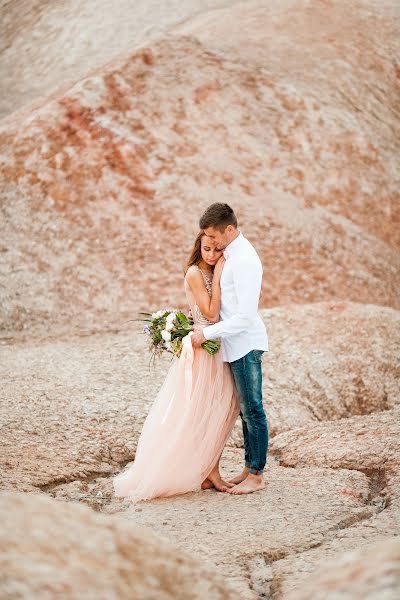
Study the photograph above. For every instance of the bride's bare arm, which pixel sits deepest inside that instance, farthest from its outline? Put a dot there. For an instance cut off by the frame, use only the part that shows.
(209, 305)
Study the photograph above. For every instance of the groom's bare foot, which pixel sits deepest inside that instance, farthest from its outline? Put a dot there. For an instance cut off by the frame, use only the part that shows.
(252, 483)
(241, 477)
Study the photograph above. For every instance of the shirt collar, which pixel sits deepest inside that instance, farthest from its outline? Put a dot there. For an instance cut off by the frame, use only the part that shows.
(233, 245)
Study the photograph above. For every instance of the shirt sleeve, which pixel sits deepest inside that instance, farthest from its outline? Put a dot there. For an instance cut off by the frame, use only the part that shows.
(247, 279)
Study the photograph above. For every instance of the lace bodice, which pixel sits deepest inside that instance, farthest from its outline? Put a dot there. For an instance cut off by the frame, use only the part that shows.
(198, 316)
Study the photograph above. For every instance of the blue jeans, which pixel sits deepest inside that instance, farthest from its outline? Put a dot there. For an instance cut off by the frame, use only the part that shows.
(248, 379)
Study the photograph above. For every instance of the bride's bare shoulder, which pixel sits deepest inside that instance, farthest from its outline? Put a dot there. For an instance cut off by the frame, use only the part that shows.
(193, 275)
(192, 270)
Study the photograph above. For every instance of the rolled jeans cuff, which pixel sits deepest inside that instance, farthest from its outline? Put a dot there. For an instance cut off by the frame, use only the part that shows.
(256, 471)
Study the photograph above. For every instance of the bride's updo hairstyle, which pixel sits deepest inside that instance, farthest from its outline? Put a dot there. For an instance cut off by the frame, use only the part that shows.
(218, 216)
(195, 255)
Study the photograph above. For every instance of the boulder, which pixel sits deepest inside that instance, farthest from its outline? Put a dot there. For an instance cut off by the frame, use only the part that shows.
(367, 574)
(52, 549)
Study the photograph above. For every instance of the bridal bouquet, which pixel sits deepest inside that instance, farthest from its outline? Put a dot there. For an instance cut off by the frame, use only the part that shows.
(167, 328)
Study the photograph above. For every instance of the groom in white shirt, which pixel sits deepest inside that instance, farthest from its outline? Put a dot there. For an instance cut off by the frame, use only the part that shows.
(244, 337)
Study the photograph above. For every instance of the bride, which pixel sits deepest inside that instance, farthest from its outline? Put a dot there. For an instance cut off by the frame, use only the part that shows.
(196, 408)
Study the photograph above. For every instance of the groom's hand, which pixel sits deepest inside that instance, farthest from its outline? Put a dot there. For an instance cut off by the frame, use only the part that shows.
(198, 338)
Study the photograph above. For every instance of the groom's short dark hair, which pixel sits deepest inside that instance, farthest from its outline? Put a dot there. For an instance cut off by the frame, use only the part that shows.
(218, 216)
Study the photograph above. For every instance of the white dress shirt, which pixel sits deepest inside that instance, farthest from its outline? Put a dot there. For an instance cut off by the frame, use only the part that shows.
(241, 328)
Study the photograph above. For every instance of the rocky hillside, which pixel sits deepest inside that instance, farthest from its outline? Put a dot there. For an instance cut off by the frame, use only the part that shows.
(102, 185)
(46, 45)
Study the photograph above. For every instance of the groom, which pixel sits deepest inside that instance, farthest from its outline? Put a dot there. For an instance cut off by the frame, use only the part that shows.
(244, 337)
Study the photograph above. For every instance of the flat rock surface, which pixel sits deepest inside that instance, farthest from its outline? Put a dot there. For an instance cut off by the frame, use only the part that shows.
(74, 407)
(244, 535)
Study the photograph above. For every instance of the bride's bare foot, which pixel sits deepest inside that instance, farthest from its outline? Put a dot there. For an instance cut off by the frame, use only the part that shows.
(207, 484)
(214, 479)
(219, 483)
(252, 483)
(241, 477)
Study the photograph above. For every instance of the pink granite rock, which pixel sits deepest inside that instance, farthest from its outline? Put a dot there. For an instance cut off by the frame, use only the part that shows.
(53, 549)
(368, 574)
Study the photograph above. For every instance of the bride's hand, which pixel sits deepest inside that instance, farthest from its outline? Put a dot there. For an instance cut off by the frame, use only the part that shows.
(219, 267)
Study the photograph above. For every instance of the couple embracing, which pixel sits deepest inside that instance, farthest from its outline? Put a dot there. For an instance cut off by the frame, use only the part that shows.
(184, 434)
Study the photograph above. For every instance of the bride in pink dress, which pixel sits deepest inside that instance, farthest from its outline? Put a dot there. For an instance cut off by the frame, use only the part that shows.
(196, 408)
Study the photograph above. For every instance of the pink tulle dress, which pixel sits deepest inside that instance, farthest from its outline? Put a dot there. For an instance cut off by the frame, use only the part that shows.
(187, 426)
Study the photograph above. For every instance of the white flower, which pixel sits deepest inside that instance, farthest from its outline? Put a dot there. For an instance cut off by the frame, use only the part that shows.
(158, 314)
(166, 336)
(168, 346)
(171, 317)
(169, 325)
